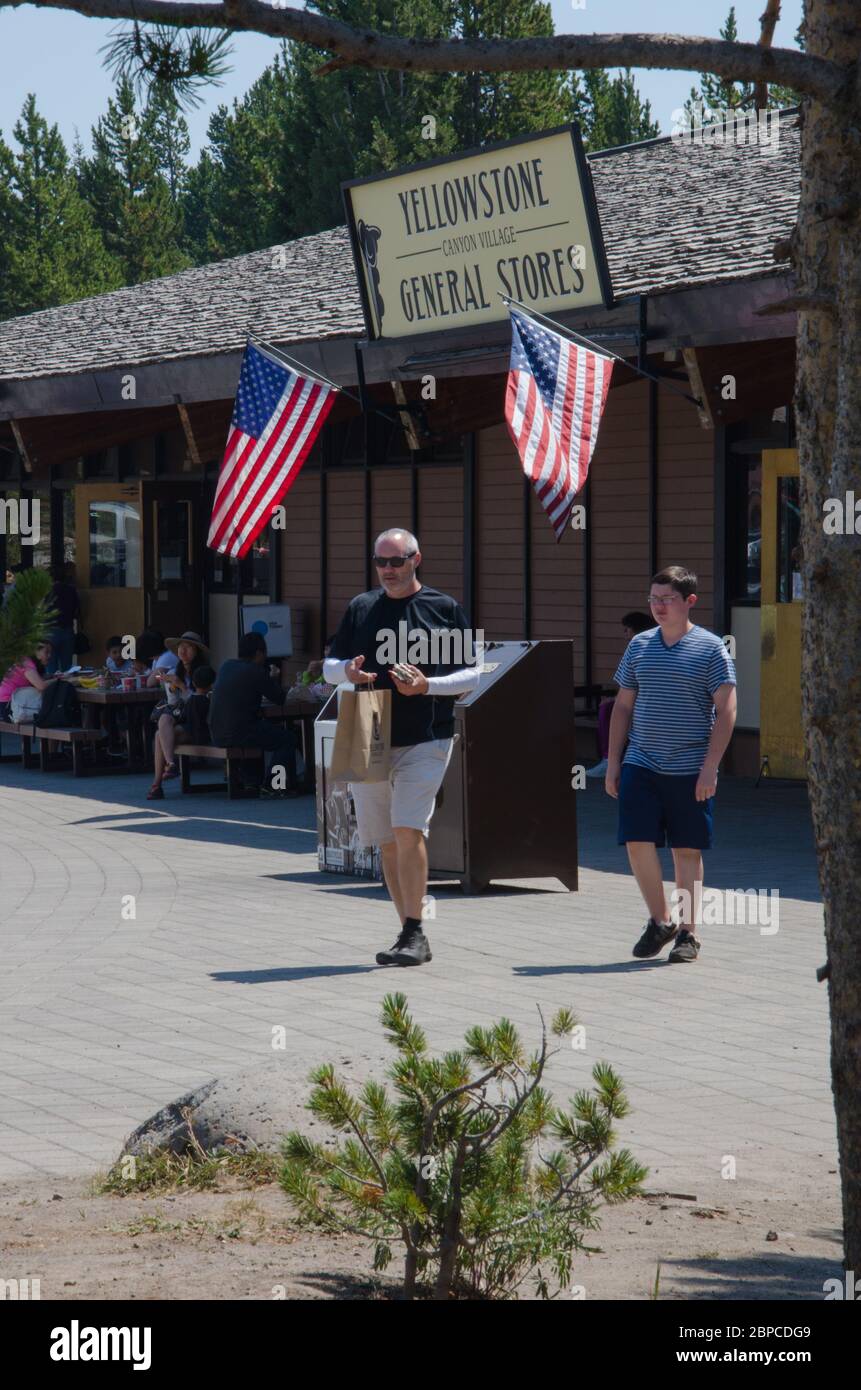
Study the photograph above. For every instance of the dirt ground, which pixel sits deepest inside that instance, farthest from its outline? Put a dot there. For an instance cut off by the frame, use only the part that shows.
(240, 1243)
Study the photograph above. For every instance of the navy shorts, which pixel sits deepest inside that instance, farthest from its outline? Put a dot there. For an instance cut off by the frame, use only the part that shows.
(653, 806)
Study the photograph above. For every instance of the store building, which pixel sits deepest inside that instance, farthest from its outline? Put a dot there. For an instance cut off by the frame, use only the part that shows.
(114, 412)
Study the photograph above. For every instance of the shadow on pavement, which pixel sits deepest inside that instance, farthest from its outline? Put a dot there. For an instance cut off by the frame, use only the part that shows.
(288, 973)
(763, 836)
(442, 888)
(616, 967)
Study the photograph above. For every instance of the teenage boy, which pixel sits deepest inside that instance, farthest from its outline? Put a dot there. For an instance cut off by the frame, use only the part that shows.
(676, 707)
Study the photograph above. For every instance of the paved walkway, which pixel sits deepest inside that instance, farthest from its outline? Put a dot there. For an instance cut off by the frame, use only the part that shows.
(104, 1019)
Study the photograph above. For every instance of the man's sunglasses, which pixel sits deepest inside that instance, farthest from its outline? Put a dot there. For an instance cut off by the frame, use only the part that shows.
(396, 561)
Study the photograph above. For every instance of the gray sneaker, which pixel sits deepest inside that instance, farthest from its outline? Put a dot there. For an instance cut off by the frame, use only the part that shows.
(411, 948)
(654, 939)
(687, 948)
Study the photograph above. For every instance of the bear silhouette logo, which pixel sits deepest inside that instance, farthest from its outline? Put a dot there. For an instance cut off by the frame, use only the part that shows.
(369, 240)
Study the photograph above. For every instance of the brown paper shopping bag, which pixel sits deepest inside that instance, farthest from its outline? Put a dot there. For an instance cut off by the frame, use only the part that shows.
(362, 737)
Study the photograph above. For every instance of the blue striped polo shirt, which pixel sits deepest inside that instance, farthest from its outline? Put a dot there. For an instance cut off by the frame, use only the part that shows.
(673, 711)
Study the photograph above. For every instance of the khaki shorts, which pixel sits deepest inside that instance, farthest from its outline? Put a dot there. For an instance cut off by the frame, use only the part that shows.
(407, 798)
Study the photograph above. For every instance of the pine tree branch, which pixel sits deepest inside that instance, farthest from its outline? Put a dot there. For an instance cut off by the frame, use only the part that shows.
(768, 22)
(521, 1099)
(372, 1158)
(742, 62)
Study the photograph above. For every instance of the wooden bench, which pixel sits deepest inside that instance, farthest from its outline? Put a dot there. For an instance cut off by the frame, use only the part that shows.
(77, 739)
(232, 757)
(26, 733)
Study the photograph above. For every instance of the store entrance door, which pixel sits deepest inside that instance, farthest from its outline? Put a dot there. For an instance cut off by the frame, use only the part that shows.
(108, 563)
(173, 561)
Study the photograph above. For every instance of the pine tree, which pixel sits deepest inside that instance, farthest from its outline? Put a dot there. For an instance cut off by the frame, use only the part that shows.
(234, 199)
(495, 105)
(275, 162)
(721, 94)
(52, 251)
(170, 137)
(609, 110)
(130, 197)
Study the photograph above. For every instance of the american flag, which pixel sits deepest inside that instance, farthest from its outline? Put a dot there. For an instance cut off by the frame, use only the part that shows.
(553, 406)
(276, 418)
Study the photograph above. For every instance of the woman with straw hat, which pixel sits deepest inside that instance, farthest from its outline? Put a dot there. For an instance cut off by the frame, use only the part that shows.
(191, 652)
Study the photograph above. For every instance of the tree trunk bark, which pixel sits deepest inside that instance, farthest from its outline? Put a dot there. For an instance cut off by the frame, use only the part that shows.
(827, 257)
(451, 1228)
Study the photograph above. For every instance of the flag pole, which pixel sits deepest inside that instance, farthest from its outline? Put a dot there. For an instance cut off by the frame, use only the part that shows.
(295, 366)
(290, 362)
(596, 347)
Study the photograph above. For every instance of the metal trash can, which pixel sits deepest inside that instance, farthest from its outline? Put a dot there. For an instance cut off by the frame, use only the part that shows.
(338, 848)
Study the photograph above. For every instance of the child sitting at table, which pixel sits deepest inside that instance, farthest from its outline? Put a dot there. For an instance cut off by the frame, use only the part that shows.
(116, 663)
(195, 718)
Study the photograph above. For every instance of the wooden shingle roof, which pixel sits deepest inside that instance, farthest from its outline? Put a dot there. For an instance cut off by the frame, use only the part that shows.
(672, 216)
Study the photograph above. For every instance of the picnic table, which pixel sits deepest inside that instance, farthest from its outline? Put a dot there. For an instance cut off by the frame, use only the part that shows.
(97, 705)
(303, 712)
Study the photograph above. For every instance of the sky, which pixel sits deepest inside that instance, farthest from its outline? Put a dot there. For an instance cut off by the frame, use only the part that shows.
(55, 54)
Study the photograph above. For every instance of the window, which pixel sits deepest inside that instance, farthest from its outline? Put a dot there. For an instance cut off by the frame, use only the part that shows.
(173, 542)
(115, 545)
(255, 567)
(255, 571)
(69, 546)
(744, 529)
(788, 541)
(41, 514)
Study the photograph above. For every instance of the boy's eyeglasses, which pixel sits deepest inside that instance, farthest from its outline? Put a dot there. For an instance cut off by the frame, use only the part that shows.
(396, 561)
(659, 602)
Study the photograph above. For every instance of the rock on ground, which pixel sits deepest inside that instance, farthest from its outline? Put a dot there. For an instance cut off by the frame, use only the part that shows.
(246, 1110)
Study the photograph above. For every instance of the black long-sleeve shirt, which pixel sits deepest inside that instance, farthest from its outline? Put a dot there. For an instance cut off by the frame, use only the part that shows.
(235, 700)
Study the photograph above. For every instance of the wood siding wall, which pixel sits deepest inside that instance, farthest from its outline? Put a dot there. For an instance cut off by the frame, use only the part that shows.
(686, 497)
(440, 528)
(619, 522)
(300, 568)
(499, 537)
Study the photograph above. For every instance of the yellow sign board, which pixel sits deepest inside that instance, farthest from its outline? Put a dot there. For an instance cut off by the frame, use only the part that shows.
(436, 244)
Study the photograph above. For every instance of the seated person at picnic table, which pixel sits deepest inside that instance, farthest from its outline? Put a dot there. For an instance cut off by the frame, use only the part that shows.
(632, 623)
(116, 663)
(235, 718)
(23, 686)
(312, 680)
(191, 652)
(151, 649)
(191, 726)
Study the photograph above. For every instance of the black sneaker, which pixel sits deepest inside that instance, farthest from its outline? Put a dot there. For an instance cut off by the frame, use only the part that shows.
(687, 948)
(654, 939)
(411, 948)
